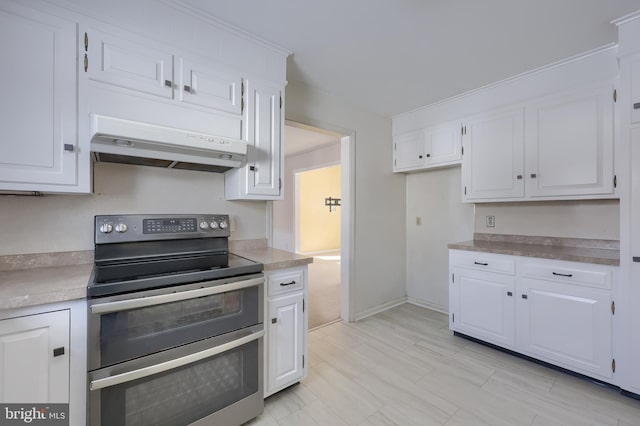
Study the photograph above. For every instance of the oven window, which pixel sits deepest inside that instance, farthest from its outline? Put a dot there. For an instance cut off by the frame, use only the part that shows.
(137, 332)
(185, 394)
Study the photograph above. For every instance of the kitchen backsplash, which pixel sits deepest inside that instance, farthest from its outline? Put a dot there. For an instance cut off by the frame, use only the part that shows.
(57, 223)
(598, 219)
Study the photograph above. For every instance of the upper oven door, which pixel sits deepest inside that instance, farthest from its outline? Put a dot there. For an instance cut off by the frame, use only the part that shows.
(129, 326)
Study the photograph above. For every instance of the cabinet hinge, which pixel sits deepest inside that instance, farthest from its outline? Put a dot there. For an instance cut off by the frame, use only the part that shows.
(613, 307)
(280, 102)
(86, 62)
(615, 95)
(465, 190)
(453, 317)
(615, 181)
(302, 361)
(453, 278)
(461, 130)
(86, 42)
(613, 365)
(462, 150)
(395, 162)
(303, 305)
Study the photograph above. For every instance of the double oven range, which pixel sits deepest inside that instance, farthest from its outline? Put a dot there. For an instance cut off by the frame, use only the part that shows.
(175, 324)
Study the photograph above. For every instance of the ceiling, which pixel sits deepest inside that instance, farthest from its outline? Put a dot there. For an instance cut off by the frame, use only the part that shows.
(392, 56)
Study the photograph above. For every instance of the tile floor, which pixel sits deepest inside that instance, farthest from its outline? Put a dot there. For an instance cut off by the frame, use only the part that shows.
(404, 367)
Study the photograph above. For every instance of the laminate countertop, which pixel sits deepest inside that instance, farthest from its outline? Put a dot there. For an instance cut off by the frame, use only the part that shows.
(36, 279)
(602, 252)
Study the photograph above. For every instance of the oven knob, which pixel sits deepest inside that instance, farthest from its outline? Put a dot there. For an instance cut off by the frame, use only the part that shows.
(121, 227)
(204, 225)
(223, 224)
(214, 225)
(106, 228)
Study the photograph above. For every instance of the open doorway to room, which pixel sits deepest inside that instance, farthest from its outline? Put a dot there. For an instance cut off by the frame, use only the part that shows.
(317, 225)
(302, 223)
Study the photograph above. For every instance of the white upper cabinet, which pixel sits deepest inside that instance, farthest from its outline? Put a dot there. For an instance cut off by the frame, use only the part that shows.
(261, 177)
(407, 151)
(569, 144)
(492, 163)
(207, 85)
(433, 147)
(40, 149)
(635, 89)
(138, 65)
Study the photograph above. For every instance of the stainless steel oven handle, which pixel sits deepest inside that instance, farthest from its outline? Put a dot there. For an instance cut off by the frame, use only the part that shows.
(123, 305)
(174, 363)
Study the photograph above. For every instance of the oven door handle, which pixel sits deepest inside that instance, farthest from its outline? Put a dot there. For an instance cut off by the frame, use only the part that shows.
(124, 305)
(129, 376)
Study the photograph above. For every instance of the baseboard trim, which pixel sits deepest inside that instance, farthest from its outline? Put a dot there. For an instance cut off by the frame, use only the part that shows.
(380, 308)
(428, 305)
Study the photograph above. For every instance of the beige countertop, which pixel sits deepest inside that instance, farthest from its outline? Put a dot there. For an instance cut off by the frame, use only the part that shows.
(603, 252)
(273, 258)
(27, 280)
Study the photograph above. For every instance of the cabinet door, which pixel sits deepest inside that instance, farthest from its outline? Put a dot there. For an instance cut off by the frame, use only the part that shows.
(442, 145)
(38, 107)
(493, 160)
(569, 144)
(32, 369)
(285, 341)
(635, 90)
(207, 85)
(564, 324)
(408, 151)
(483, 306)
(634, 303)
(130, 63)
(263, 165)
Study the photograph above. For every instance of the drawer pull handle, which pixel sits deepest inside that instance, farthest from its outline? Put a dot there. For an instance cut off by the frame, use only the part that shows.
(636, 105)
(289, 283)
(524, 296)
(274, 320)
(562, 275)
(481, 264)
(58, 351)
(509, 293)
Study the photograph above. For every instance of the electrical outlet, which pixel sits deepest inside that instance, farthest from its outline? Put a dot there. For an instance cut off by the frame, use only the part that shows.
(418, 220)
(491, 221)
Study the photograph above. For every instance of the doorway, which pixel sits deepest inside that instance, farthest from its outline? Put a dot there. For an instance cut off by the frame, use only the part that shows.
(313, 157)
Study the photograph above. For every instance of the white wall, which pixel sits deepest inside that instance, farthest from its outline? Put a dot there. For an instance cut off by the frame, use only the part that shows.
(599, 219)
(284, 211)
(379, 199)
(55, 223)
(434, 196)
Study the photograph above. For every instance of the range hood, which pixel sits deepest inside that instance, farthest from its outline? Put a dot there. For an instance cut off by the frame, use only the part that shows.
(122, 141)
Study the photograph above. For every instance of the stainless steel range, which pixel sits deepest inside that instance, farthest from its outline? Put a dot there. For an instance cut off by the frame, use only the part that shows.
(175, 324)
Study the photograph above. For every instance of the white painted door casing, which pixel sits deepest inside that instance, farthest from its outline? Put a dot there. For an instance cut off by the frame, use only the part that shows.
(569, 144)
(41, 88)
(30, 372)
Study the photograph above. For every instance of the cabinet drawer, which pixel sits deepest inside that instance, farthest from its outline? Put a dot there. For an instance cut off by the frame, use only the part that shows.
(484, 262)
(285, 281)
(567, 274)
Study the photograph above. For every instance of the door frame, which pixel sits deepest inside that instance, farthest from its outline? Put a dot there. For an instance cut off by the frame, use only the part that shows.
(347, 216)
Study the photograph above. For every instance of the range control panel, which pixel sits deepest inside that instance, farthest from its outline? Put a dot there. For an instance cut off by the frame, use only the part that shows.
(131, 228)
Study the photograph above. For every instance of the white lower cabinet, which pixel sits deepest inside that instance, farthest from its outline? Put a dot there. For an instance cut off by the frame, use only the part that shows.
(484, 305)
(286, 328)
(556, 311)
(34, 358)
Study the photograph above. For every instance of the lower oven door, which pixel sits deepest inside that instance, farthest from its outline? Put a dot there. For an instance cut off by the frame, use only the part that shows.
(216, 381)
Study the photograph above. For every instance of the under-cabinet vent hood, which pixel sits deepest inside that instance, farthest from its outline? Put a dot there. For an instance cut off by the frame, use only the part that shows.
(122, 141)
